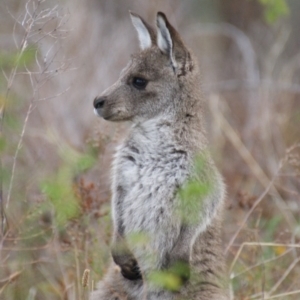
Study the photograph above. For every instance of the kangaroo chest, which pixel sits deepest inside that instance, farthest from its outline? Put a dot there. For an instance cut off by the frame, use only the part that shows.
(148, 174)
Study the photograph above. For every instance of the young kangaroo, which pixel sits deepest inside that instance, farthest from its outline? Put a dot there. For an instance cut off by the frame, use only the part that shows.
(164, 156)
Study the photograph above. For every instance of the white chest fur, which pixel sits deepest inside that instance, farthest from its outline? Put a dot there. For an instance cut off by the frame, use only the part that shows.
(149, 168)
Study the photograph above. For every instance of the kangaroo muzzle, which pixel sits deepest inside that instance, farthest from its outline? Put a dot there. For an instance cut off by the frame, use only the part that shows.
(98, 105)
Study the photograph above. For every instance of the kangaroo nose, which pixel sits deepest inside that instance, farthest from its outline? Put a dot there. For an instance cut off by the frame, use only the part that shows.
(99, 102)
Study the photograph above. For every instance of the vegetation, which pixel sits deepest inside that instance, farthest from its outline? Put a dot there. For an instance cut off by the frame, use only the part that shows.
(274, 9)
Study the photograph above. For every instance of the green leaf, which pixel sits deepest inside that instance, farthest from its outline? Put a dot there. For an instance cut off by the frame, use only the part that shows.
(191, 199)
(166, 280)
(138, 239)
(10, 60)
(61, 194)
(274, 9)
(85, 162)
(2, 143)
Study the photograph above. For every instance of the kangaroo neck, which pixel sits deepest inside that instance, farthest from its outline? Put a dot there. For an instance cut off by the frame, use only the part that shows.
(184, 130)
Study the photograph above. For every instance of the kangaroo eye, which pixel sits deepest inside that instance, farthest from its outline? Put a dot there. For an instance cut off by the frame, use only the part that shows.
(139, 83)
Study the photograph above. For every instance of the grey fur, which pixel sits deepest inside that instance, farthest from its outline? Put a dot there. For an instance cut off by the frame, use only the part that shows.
(154, 163)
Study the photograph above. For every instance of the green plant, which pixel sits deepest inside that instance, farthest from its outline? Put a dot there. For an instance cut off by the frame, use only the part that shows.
(274, 9)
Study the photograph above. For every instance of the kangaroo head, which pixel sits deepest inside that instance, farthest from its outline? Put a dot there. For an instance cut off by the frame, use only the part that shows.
(153, 80)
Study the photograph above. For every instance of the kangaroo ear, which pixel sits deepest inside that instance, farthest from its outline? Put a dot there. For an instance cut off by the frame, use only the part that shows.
(168, 40)
(146, 34)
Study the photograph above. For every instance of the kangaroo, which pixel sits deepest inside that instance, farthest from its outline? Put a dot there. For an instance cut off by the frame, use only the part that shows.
(158, 230)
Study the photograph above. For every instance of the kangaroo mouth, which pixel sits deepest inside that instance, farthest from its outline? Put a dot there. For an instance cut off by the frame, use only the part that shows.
(112, 117)
(100, 113)
(96, 112)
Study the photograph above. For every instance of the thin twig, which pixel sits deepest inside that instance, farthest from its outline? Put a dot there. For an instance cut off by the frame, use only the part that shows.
(241, 226)
(277, 296)
(259, 244)
(19, 146)
(258, 264)
(11, 79)
(283, 277)
(254, 167)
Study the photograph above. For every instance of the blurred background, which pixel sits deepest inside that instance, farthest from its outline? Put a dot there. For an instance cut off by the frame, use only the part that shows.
(56, 56)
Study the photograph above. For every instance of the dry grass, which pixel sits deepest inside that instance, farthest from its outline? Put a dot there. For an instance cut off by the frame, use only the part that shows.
(55, 155)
